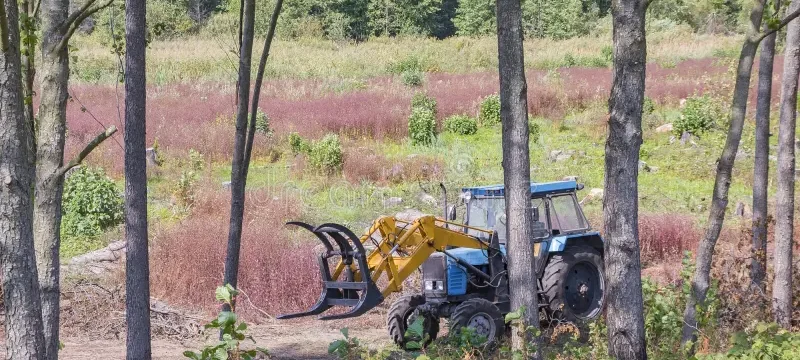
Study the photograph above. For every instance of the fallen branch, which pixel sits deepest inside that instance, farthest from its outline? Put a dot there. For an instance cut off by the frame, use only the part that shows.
(247, 297)
(86, 150)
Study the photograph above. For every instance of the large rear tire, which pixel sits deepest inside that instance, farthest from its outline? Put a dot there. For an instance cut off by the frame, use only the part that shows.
(574, 284)
(403, 313)
(480, 315)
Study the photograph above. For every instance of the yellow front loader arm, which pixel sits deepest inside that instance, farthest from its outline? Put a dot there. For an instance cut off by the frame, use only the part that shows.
(400, 248)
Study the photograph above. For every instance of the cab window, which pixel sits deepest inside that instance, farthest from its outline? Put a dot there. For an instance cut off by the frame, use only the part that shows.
(541, 229)
(565, 215)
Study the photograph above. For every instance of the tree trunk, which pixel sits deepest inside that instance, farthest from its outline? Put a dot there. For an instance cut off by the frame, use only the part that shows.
(49, 159)
(137, 268)
(722, 183)
(238, 176)
(758, 265)
(625, 318)
(23, 318)
(784, 210)
(516, 167)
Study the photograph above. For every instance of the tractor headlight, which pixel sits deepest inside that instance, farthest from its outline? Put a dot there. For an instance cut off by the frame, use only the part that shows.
(431, 285)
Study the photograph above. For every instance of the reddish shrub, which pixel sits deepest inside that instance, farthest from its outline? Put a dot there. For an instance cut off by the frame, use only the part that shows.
(362, 165)
(666, 236)
(278, 272)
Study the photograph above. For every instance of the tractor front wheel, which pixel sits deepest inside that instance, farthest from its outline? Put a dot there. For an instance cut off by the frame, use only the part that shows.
(403, 312)
(574, 284)
(482, 317)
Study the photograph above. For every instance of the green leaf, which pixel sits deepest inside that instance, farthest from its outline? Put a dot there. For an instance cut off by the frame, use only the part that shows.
(335, 346)
(413, 345)
(416, 329)
(226, 318)
(241, 327)
(191, 355)
(345, 331)
(515, 315)
(423, 357)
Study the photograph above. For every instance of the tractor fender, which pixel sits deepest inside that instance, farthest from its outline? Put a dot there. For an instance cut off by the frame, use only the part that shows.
(559, 243)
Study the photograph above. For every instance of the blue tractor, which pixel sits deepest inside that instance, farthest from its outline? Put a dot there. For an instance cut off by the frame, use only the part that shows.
(464, 277)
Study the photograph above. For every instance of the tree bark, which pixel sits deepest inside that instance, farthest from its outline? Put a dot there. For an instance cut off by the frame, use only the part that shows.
(758, 264)
(722, 183)
(137, 269)
(624, 314)
(23, 318)
(784, 210)
(238, 175)
(516, 170)
(49, 159)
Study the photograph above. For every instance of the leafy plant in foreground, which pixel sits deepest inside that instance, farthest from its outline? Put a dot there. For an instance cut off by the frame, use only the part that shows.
(490, 111)
(92, 203)
(232, 331)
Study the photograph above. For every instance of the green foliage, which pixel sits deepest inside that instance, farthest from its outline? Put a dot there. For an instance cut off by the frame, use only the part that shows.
(415, 335)
(699, 114)
(423, 101)
(413, 78)
(91, 203)
(262, 123)
(556, 19)
(157, 150)
(534, 131)
(422, 126)
(404, 17)
(233, 333)
(515, 320)
(648, 106)
(408, 64)
(475, 17)
(326, 155)
(298, 144)
(761, 341)
(183, 191)
(461, 125)
(490, 111)
(196, 160)
(347, 348)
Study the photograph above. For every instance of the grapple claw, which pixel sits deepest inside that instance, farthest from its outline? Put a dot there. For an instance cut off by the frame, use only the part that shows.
(356, 289)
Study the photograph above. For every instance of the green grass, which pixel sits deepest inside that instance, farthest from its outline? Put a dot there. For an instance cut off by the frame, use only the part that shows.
(209, 57)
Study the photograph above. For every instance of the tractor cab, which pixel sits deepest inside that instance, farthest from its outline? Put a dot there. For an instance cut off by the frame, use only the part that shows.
(554, 208)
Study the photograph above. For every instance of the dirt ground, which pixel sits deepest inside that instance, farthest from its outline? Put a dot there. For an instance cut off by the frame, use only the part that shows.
(304, 340)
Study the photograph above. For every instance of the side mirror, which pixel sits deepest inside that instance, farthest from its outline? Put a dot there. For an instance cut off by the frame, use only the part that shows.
(535, 214)
(451, 213)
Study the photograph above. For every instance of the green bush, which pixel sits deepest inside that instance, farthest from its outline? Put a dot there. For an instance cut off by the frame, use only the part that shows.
(410, 63)
(422, 127)
(699, 114)
(326, 155)
(423, 101)
(490, 111)
(648, 106)
(91, 203)
(761, 341)
(413, 78)
(298, 144)
(535, 130)
(461, 124)
(262, 123)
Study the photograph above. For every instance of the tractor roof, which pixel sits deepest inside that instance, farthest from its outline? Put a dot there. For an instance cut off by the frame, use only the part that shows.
(536, 188)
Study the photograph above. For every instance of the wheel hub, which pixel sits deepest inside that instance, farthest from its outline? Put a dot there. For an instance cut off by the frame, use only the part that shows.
(482, 325)
(581, 289)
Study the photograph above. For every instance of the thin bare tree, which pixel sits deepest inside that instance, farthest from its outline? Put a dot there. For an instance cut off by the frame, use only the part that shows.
(137, 267)
(516, 170)
(722, 182)
(245, 129)
(625, 318)
(784, 209)
(758, 264)
(58, 26)
(23, 316)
